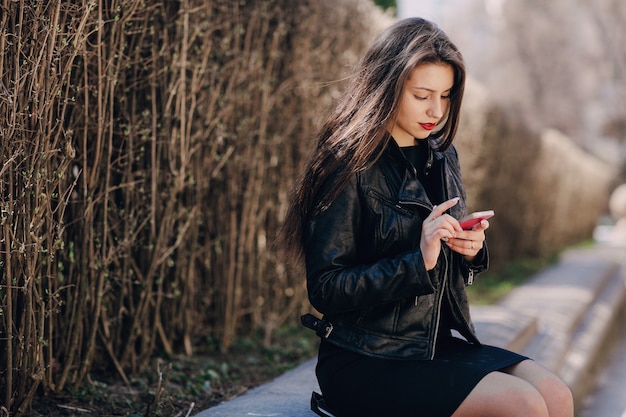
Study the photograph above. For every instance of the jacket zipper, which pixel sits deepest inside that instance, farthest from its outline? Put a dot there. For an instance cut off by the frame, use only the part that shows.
(443, 287)
(414, 203)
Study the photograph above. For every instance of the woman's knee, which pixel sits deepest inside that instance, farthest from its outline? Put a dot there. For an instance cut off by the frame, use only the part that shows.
(525, 403)
(525, 400)
(501, 394)
(558, 396)
(556, 393)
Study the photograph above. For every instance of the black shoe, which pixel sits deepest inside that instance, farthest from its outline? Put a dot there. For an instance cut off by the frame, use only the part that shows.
(318, 405)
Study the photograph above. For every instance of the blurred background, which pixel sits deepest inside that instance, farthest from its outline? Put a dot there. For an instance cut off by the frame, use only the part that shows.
(558, 64)
(148, 149)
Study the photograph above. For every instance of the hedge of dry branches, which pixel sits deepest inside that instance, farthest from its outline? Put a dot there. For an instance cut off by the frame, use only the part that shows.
(147, 151)
(147, 147)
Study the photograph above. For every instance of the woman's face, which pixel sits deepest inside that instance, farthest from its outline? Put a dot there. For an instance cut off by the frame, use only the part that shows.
(424, 102)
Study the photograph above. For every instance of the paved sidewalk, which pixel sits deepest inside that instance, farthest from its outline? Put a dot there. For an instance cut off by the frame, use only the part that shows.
(608, 398)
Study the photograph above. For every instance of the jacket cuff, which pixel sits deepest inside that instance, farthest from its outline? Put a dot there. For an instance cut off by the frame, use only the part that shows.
(480, 262)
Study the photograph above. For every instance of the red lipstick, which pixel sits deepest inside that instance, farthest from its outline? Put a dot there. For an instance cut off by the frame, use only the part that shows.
(428, 126)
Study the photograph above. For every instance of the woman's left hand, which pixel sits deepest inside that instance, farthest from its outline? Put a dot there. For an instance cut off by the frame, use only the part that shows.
(469, 242)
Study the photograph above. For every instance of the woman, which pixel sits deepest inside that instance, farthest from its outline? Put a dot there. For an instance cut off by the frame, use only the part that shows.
(375, 217)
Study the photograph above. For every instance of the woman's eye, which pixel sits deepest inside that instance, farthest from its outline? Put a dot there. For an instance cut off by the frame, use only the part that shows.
(420, 98)
(446, 97)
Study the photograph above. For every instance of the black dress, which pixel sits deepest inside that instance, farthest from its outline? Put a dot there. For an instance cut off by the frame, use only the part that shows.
(361, 386)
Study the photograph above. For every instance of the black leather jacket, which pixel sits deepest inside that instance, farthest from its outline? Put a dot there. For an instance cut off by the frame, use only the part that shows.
(365, 270)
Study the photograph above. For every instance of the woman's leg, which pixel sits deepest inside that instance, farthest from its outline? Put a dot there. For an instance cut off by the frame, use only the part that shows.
(557, 395)
(499, 394)
(523, 390)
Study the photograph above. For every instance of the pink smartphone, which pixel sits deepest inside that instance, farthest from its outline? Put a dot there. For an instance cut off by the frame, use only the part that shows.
(470, 220)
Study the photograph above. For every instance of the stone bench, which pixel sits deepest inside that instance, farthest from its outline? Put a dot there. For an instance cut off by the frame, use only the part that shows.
(562, 317)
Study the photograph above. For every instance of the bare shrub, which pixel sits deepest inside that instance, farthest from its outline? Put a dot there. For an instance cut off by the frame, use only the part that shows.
(147, 148)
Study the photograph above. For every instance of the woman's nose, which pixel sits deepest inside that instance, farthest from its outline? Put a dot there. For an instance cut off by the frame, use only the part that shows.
(436, 109)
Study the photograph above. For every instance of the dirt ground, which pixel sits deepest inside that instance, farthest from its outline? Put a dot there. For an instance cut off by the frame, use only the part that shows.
(182, 386)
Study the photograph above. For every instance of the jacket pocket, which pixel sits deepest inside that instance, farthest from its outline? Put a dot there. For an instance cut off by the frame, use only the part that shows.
(387, 202)
(392, 228)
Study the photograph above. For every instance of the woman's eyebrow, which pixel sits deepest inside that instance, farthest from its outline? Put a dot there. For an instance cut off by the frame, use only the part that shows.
(429, 89)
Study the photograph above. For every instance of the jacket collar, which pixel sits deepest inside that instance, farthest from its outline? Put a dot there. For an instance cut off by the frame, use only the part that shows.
(412, 189)
(396, 152)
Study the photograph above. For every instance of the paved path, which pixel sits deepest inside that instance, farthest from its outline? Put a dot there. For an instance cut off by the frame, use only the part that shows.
(608, 399)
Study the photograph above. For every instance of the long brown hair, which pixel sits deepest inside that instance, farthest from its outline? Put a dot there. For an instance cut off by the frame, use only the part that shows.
(355, 134)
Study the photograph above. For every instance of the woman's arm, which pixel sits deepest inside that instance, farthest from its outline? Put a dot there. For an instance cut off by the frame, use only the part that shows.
(338, 280)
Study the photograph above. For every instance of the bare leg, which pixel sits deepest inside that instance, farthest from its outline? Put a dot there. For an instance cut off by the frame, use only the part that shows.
(524, 390)
(557, 395)
(502, 395)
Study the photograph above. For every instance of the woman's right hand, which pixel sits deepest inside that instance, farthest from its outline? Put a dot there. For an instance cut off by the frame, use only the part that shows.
(437, 226)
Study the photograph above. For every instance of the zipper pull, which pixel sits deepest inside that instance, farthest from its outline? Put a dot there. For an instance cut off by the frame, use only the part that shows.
(416, 300)
(470, 277)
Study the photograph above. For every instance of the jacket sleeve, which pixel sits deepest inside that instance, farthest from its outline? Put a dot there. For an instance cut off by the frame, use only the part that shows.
(337, 280)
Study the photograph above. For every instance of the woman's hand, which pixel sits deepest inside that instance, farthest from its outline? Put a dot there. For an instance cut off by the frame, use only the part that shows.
(469, 242)
(438, 226)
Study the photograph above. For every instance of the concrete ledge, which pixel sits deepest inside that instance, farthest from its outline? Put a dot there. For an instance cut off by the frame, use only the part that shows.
(563, 318)
(590, 340)
(286, 396)
(560, 298)
(499, 326)
(578, 305)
